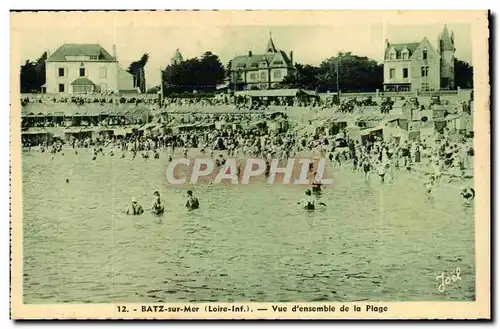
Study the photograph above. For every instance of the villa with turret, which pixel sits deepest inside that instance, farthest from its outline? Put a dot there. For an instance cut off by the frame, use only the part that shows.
(419, 66)
(261, 71)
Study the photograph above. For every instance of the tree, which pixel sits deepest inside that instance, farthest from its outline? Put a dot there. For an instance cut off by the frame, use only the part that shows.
(354, 73)
(33, 75)
(464, 74)
(137, 70)
(202, 75)
(302, 77)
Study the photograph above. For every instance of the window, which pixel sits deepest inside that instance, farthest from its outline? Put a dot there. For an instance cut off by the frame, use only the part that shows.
(277, 74)
(392, 55)
(94, 57)
(392, 73)
(425, 86)
(60, 71)
(424, 54)
(278, 63)
(82, 89)
(82, 71)
(405, 55)
(405, 73)
(425, 71)
(263, 75)
(61, 87)
(102, 72)
(252, 76)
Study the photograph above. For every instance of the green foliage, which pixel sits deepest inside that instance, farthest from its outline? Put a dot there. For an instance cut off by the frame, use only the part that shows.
(202, 75)
(355, 73)
(33, 75)
(464, 74)
(137, 70)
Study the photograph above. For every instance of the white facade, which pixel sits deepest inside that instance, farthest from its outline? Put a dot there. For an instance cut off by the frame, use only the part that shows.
(60, 75)
(95, 70)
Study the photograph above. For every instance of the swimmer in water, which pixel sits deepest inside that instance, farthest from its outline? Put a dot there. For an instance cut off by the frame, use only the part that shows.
(239, 170)
(157, 208)
(366, 169)
(157, 155)
(268, 169)
(134, 208)
(381, 172)
(309, 203)
(316, 183)
(429, 185)
(192, 201)
(468, 194)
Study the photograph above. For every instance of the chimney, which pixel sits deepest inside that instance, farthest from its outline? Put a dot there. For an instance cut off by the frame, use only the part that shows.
(114, 51)
(249, 53)
(48, 53)
(291, 57)
(452, 37)
(386, 43)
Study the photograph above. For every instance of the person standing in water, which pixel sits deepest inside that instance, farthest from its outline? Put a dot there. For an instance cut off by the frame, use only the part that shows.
(366, 169)
(429, 185)
(134, 208)
(157, 208)
(316, 183)
(468, 194)
(381, 171)
(309, 203)
(192, 201)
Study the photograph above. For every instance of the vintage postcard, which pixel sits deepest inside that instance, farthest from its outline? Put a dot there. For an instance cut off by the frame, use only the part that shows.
(250, 165)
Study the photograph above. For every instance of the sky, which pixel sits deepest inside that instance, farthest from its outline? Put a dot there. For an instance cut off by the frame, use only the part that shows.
(310, 43)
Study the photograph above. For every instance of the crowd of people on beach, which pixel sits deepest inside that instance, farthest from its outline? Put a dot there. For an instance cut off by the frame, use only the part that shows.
(427, 158)
(432, 158)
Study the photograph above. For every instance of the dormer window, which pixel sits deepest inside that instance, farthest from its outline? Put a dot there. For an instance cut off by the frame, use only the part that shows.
(94, 57)
(405, 54)
(392, 54)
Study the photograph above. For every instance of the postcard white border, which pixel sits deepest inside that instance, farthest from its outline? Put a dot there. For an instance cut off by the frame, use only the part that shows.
(409, 310)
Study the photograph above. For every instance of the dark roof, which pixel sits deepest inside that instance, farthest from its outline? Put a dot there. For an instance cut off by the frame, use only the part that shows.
(252, 62)
(270, 46)
(411, 46)
(72, 49)
(445, 40)
(82, 82)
